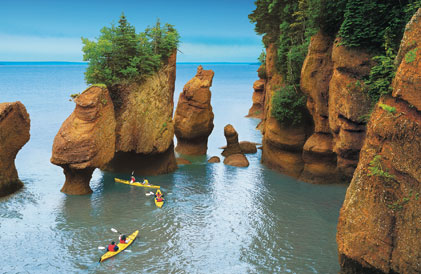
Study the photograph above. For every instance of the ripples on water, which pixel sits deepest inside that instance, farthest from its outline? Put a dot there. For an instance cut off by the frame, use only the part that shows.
(217, 219)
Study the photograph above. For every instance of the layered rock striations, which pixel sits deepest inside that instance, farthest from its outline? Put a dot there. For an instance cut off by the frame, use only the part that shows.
(145, 129)
(332, 78)
(86, 140)
(379, 227)
(193, 119)
(348, 104)
(14, 134)
(256, 110)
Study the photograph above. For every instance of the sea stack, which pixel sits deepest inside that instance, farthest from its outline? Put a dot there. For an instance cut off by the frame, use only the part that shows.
(145, 129)
(86, 140)
(193, 116)
(14, 134)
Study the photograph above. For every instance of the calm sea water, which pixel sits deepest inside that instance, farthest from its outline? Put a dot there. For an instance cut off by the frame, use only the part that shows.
(217, 219)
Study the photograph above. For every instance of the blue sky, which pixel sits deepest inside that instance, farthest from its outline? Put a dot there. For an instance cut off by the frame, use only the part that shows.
(46, 30)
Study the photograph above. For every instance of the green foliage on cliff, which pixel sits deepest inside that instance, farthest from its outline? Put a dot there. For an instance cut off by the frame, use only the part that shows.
(376, 169)
(288, 104)
(120, 55)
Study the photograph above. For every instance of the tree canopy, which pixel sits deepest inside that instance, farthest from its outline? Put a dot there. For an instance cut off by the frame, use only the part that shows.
(120, 55)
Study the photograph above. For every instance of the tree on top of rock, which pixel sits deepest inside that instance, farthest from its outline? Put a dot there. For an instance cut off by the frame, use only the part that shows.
(121, 56)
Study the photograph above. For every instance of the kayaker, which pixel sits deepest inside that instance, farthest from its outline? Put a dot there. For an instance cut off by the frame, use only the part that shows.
(132, 179)
(159, 197)
(145, 181)
(123, 239)
(112, 247)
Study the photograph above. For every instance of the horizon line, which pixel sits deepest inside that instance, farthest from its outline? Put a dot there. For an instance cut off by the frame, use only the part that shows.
(86, 62)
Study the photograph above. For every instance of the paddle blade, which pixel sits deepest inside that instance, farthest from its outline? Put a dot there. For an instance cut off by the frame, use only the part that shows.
(128, 250)
(114, 230)
(101, 247)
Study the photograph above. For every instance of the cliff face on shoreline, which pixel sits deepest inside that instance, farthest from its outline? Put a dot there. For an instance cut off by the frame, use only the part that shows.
(193, 118)
(379, 226)
(14, 134)
(327, 152)
(145, 129)
(86, 140)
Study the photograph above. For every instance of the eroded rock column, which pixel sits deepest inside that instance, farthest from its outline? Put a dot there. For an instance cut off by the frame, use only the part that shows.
(14, 134)
(193, 119)
(86, 140)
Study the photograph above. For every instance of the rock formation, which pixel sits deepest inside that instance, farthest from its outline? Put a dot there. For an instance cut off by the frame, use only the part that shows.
(182, 161)
(348, 102)
(256, 110)
(248, 147)
(379, 226)
(232, 147)
(237, 160)
(282, 146)
(145, 129)
(86, 139)
(193, 119)
(214, 159)
(14, 134)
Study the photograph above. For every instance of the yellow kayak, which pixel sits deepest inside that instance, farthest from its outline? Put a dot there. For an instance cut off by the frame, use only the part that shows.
(121, 247)
(146, 184)
(159, 204)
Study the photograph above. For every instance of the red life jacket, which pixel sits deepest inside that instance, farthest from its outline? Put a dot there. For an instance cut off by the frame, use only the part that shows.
(159, 199)
(122, 241)
(111, 247)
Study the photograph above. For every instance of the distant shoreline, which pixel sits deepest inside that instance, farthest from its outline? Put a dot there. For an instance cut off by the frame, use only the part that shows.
(62, 63)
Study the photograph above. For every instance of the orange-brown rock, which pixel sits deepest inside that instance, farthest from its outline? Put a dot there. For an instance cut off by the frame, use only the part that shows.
(348, 102)
(237, 160)
(379, 227)
(256, 110)
(248, 147)
(145, 129)
(282, 146)
(214, 159)
(193, 119)
(320, 160)
(14, 134)
(86, 139)
(232, 147)
(182, 161)
(316, 74)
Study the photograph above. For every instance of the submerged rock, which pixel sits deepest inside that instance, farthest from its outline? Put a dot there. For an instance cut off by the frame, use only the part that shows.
(193, 119)
(14, 134)
(86, 140)
(182, 161)
(379, 228)
(237, 160)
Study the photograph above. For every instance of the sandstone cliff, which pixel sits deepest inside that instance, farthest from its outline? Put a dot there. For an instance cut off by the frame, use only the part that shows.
(379, 227)
(282, 145)
(14, 134)
(256, 110)
(193, 118)
(86, 139)
(145, 129)
(332, 78)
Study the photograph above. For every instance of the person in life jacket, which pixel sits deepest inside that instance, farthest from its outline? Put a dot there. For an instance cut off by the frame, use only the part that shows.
(145, 181)
(132, 180)
(123, 239)
(112, 247)
(159, 197)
